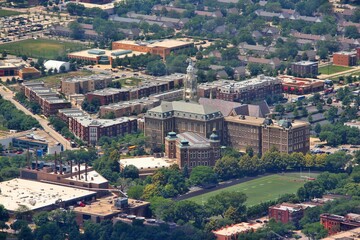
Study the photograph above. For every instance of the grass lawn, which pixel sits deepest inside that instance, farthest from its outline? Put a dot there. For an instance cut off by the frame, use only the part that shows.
(55, 79)
(41, 48)
(332, 69)
(129, 82)
(6, 13)
(262, 189)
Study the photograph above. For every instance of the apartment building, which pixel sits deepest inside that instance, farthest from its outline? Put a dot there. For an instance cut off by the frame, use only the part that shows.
(304, 69)
(347, 59)
(91, 130)
(335, 223)
(85, 84)
(286, 213)
(245, 91)
(48, 100)
(109, 95)
(295, 85)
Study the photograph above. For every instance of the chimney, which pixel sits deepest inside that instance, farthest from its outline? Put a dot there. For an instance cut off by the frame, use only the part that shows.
(55, 160)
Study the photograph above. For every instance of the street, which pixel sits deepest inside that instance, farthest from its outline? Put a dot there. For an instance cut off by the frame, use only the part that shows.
(8, 95)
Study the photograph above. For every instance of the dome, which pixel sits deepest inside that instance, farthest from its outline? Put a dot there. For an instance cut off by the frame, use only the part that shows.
(214, 136)
(190, 68)
(184, 142)
(172, 135)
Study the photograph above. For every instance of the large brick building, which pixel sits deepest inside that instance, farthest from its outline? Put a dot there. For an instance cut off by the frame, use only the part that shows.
(304, 69)
(286, 213)
(93, 1)
(91, 130)
(48, 100)
(192, 149)
(335, 223)
(262, 134)
(157, 47)
(345, 58)
(108, 95)
(84, 85)
(181, 117)
(245, 91)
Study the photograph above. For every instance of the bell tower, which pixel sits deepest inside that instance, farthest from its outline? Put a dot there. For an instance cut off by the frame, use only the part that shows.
(190, 86)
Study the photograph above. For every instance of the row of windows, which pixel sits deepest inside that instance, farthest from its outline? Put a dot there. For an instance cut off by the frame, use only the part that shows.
(199, 163)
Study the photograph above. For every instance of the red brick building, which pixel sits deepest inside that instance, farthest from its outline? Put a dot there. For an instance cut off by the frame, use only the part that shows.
(294, 85)
(91, 130)
(193, 149)
(335, 223)
(304, 69)
(345, 58)
(109, 95)
(286, 213)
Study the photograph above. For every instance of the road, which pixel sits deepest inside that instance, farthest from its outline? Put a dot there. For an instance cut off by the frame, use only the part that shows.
(9, 95)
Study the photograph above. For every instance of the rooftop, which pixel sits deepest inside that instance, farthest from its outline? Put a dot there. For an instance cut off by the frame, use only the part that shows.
(305, 63)
(345, 53)
(238, 228)
(353, 234)
(107, 91)
(143, 163)
(88, 121)
(129, 103)
(93, 53)
(257, 121)
(94, 77)
(72, 112)
(36, 195)
(184, 109)
(166, 43)
(194, 139)
(288, 207)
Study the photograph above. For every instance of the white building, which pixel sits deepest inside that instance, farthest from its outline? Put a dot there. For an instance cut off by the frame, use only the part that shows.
(53, 64)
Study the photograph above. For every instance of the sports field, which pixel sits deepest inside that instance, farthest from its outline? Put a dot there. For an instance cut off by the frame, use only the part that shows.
(41, 48)
(331, 69)
(6, 13)
(262, 189)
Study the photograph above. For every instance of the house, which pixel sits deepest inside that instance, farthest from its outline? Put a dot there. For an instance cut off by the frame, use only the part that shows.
(273, 62)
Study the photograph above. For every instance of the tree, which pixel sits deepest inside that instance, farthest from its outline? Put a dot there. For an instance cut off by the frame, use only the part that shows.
(315, 231)
(202, 175)
(329, 101)
(24, 57)
(227, 167)
(136, 191)
(280, 109)
(331, 114)
(156, 68)
(130, 171)
(77, 32)
(4, 54)
(296, 113)
(221, 202)
(351, 32)
(317, 128)
(199, 56)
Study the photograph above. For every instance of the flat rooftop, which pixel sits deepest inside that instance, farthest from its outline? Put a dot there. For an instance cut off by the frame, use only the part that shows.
(238, 228)
(126, 104)
(108, 91)
(143, 163)
(88, 121)
(72, 112)
(305, 63)
(345, 53)
(256, 121)
(353, 234)
(39, 136)
(194, 139)
(36, 195)
(166, 43)
(105, 206)
(287, 207)
(94, 77)
(92, 176)
(107, 53)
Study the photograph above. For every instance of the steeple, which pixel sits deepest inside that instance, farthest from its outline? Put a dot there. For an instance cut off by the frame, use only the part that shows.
(190, 85)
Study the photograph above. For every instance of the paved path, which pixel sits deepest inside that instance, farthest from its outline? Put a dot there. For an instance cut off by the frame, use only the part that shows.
(9, 95)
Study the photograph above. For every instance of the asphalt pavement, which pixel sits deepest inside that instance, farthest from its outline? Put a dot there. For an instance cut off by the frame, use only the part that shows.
(9, 95)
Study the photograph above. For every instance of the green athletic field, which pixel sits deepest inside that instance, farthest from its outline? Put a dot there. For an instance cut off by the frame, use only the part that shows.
(331, 69)
(262, 189)
(6, 13)
(41, 48)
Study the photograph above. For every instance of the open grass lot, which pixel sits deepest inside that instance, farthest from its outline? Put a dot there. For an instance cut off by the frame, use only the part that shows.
(262, 189)
(41, 48)
(54, 80)
(6, 13)
(331, 69)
